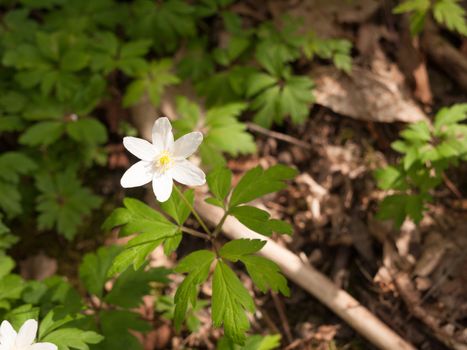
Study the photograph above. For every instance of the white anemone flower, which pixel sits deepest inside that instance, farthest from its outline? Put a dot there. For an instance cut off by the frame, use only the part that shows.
(163, 161)
(24, 339)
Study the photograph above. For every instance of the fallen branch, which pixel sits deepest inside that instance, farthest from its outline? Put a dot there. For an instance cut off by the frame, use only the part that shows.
(448, 58)
(313, 281)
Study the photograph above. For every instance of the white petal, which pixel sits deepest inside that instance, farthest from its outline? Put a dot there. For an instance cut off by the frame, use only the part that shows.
(187, 173)
(162, 137)
(141, 148)
(138, 174)
(43, 346)
(162, 187)
(26, 334)
(186, 145)
(7, 334)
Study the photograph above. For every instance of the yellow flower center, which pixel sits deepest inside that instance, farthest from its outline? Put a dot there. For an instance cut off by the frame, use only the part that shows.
(163, 162)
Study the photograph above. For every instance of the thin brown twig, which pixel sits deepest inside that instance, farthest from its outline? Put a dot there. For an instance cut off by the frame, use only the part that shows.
(278, 135)
(283, 317)
(451, 186)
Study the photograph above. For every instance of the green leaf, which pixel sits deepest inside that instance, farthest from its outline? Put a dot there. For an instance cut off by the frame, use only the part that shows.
(280, 226)
(153, 229)
(450, 115)
(215, 202)
(224, 133)
(172, 243)
(94, 268)
(42, 133)
(236, 249)
(135, 48)
(253, 218)
(338, 50)
(137, 249)
(166, 23)
(117, 327)
(176, 206)
(74, 60)
(13, 165)
(72, 338)
(258, 182)
(52, 321)
(230, 300)
(276, 46)
(451, 14)
(87, 131)
(119, 217)
(11, 287)
(21, 314)
(417, 132)
(220, 182)
(197, 265)
(196, 64)
(390, 177)
(254, 342)
(265, 274)
(290, 96)
(63, 202)
(399, 206)
(6, 265)
(131, 286)
(153, 82)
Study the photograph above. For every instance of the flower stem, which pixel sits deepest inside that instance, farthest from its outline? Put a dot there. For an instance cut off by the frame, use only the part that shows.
(201, 222)
(219, 225)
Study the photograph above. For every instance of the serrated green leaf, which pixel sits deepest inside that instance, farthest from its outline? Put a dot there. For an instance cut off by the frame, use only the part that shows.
(130, 287)
(236, 249)
(450, 115)
(166, 23)
(6, 265)
(43, 133)
(117, 327)
(72, 338)
(11, 287)
(258, 182)
(138, 248)
(254, 342)
(265, 274)
(74, 60)
(291, 96)
(390, 177)
(399, 206)
(215, 202)
(451, 14)
(87, 131)
(197, 265)
(119, 217)
(94, 268)
(254, 218)
(177, 208)
(21, 314)
(417, 132)
(230, 301)
(220, 182)
(63, 202)
(153, 82)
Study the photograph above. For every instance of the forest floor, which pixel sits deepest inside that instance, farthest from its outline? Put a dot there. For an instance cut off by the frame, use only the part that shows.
(415, 278)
